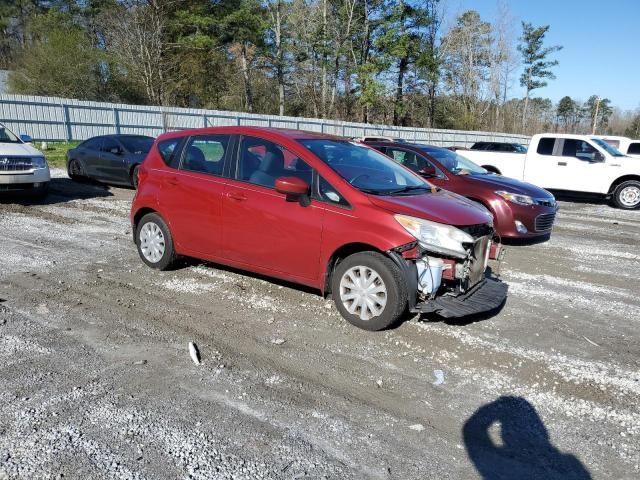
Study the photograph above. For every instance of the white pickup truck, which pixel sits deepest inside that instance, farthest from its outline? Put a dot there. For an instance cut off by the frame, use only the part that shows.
(571, 163)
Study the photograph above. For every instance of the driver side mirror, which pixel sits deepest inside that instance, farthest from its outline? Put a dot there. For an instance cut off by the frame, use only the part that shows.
(294, 188)
(116, 151)
(26, 138)
(598, 157)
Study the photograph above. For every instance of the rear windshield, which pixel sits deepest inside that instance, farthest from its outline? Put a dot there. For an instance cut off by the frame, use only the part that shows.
(365, 168)
(7, 136)
(137, 144)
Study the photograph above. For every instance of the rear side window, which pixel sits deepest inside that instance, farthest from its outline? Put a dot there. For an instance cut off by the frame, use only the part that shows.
(92, 143)
(634, 149)
(545, 146)
(168, 151)
(205, 154)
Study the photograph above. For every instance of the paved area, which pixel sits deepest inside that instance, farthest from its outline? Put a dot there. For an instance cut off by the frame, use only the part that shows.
(97, 381)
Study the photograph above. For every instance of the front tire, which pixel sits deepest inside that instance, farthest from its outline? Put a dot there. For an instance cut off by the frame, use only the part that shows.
(369, 290)
(627, 195)
(154, 241)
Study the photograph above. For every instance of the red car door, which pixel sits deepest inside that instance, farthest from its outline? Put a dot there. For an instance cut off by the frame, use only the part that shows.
(193, 194)
(264, 230)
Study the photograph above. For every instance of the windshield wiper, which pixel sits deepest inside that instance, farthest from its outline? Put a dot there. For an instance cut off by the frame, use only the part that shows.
(408, 188)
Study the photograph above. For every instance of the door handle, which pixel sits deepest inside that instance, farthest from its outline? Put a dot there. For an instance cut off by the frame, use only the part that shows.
(237, 196)
(562, 164)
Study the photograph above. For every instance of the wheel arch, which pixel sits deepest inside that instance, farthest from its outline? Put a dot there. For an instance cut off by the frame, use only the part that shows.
(138, 216)
(340, 254)
(620, 180)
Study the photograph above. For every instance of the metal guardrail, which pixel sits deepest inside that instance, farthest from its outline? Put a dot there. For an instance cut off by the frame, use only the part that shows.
(61, 119)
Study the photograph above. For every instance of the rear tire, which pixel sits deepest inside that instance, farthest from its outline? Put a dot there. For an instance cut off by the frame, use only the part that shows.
(154, 242)
(369, 290)
(627, 195)
(75, 170)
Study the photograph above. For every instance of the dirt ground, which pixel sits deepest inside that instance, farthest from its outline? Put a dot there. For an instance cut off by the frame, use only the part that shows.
(97, 382)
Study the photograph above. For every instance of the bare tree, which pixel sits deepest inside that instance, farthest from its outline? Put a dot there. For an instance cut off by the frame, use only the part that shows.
(135, 36)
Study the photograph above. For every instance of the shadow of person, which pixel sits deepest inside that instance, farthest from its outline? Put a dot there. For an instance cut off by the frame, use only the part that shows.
(506, 439)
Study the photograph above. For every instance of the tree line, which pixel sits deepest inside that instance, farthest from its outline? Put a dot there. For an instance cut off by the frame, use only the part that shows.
(376, 61)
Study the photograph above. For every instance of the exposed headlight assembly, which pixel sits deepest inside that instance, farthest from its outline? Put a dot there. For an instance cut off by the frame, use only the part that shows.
(38, 162)
(436, 237)
(516, 198)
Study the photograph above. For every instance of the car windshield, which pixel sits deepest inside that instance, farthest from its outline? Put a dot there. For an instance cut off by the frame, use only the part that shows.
(137, 144)
(365, 168)
(7, 136)
(610, 149)
(455, 163)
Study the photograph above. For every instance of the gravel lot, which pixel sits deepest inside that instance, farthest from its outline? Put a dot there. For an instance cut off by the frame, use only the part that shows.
(97, 381)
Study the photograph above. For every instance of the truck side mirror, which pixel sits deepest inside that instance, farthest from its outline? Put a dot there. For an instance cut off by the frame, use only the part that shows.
(598, 157)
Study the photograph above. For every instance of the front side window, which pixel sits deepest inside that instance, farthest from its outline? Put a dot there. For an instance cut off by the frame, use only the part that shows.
(205, 154)
(261, 162)
(578, 149)
(413, 161)
(365, 168)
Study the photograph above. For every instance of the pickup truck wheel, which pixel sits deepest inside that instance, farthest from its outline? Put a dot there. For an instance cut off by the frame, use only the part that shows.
(369, 290)
(627, 195)
(154, 242)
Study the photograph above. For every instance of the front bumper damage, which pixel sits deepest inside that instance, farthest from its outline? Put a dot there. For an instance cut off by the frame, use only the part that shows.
(451, 288)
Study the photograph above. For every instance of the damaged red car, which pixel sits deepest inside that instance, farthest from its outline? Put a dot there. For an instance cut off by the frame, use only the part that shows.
(320, 211)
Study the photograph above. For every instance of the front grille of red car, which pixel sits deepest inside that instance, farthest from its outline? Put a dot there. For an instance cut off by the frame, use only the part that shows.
(545, 221)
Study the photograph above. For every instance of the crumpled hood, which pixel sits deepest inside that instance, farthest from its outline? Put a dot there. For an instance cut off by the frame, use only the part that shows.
(498, 182)
(18, 150)
(442, 207)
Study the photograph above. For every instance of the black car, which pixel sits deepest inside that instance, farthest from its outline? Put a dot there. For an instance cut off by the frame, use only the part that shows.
(109, 158)
(499, 147)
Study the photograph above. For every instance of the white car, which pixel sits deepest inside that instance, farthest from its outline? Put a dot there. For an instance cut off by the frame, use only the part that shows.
(572, 163)
(625, 145)
(22, 167)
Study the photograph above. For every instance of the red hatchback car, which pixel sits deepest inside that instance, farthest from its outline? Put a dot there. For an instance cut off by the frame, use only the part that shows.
(317, 210)
(520, 210)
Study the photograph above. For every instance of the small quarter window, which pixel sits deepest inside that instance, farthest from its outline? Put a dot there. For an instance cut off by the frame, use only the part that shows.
(167, 149)
(330, 194)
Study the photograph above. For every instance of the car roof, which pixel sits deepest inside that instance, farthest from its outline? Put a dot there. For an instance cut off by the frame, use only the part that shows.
(288, 133)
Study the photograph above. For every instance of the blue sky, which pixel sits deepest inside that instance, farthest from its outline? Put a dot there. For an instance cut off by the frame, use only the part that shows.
(600, 40)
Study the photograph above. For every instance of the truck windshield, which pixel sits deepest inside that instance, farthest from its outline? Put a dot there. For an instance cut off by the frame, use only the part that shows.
(610, 149)
(7, 136)
(365, 168)
(456, 164)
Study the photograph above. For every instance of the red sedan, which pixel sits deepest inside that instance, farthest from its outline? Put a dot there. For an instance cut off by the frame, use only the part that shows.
(520, 210)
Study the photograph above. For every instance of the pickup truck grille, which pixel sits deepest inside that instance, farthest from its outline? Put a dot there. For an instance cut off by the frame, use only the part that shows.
(15, 164)
(545, 221)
